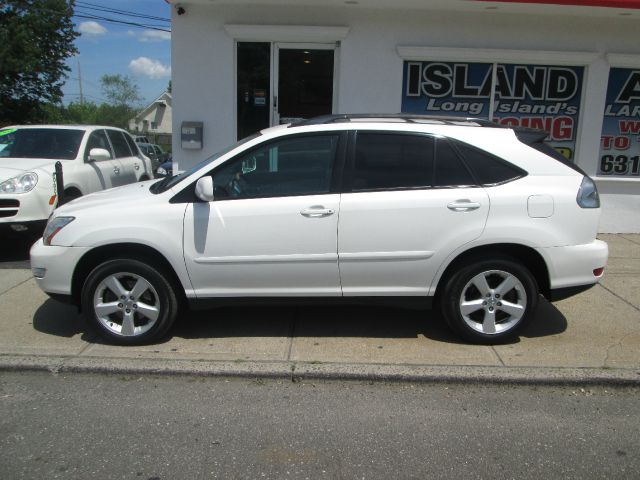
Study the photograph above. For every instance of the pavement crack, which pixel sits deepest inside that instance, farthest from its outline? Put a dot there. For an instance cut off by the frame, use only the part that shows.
(86, 347)
(15, 286)
(630, 239)
(619, 297)
(498, 355)
(292, 331)
(611, 347)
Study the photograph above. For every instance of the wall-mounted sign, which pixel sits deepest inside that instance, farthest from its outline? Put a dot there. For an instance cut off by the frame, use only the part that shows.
(545, 97)
(191, 135)
(620, 142)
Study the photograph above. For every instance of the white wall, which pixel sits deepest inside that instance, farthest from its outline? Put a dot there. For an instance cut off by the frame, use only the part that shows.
(370, 69)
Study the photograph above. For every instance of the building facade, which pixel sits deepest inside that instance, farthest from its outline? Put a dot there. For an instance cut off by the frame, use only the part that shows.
(573, 70)
(155, 120)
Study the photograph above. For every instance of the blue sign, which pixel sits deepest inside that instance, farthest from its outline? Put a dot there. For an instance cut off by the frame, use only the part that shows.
(545, 97)
(620, 141)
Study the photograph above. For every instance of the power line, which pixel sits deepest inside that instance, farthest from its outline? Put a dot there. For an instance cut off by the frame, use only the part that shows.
(122, 22)
(117, 11)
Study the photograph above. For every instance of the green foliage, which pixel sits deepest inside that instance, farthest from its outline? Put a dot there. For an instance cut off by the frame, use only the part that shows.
(36, 36)
(120, 89)
(89, 113)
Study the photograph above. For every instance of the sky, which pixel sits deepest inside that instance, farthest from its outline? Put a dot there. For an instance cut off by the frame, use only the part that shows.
(108, 48)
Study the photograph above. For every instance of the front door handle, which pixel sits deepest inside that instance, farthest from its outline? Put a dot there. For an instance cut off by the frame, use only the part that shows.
(316, 211)
(136, 166)
(463, 205)
(116, 170)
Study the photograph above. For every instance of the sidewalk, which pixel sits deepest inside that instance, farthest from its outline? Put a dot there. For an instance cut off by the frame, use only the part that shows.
(593, 337)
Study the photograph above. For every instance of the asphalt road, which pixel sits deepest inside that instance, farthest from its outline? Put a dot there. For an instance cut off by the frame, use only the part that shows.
(91, 426)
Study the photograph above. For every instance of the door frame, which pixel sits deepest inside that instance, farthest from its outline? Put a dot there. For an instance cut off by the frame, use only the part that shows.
(275, 74)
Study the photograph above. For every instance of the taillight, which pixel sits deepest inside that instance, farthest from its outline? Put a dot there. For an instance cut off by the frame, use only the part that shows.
(588, 194)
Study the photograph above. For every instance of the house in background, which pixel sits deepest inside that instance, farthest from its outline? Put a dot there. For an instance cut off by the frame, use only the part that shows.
(154, 121)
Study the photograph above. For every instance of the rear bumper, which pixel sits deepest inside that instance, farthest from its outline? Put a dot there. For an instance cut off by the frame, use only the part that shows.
(574, 265)
(557, 294)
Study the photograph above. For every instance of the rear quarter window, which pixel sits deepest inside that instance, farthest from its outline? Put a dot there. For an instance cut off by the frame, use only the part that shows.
(488, 169)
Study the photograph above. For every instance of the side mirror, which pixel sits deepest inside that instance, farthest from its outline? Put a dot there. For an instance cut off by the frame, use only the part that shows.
(204, 189)
(98, 154)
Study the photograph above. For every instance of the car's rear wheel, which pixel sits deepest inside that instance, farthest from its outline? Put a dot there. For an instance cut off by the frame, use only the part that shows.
(129, 302)
(489, 301)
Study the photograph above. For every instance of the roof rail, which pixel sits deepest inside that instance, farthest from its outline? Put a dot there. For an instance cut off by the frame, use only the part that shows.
(402, 117)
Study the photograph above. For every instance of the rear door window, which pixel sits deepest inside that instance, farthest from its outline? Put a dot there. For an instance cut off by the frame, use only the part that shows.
(450, 171)
(120, 145)
(392, 161)
(132, 144)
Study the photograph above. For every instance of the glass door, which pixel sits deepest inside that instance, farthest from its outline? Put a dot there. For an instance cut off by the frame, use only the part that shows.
(282, 83)
(253, 88)
(303, 81)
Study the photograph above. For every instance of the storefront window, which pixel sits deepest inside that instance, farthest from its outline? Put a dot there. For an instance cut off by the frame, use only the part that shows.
(620, 142)
(545, 97)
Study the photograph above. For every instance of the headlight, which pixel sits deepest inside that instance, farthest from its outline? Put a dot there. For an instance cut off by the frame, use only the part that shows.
(21, 184)
(54, 226)
(161, 171)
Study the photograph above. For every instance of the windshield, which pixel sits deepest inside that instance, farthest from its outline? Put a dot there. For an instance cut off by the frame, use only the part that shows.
(54, 143)
(169, 182)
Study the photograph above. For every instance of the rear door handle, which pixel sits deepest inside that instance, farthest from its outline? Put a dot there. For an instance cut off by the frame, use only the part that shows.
(463, 205)
(116, 170)
(136, 166)
(316, 211)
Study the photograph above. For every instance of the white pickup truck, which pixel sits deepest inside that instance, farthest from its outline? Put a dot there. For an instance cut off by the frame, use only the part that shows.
(93, 158)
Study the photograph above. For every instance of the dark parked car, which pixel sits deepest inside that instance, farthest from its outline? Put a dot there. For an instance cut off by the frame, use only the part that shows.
(155, 153)
(166, 169)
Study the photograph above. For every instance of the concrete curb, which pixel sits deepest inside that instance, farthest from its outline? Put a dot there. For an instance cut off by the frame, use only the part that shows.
(301, 371)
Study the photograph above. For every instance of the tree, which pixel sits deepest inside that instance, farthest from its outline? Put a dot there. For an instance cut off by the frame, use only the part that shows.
(36, 37)
(120, 90)
(123, 96)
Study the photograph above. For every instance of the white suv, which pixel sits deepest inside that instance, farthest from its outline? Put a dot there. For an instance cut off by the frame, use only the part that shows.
(476, 218)
(93, 158)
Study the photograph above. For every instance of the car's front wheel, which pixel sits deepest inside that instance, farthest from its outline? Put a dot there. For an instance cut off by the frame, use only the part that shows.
(489, 301)
(129, 302)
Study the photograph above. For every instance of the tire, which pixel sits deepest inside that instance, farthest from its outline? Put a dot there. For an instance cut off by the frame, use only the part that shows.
(138, 304)
(494, 310)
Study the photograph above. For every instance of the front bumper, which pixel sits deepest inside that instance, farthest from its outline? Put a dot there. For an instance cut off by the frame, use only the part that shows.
(17, 228)
(53, 266)
(574, 265)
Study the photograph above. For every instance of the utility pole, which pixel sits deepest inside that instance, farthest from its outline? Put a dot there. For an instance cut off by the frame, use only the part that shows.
(80, 83)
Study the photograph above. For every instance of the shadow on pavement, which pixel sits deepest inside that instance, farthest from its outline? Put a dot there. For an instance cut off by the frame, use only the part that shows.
(14, 252)
(59, 319)
(55, 318)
